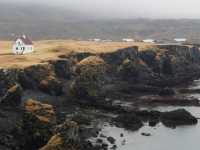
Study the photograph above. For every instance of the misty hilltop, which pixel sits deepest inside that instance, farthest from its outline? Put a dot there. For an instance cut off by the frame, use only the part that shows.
(53, 22)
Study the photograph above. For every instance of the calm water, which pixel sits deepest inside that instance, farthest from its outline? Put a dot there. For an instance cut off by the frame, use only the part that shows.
(162, 138)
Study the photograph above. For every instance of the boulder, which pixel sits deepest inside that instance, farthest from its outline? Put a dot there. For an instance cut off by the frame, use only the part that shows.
(177, 118)
(146, 134)
(51, 86)
(129, 121)
(13, 96)
(111, 140)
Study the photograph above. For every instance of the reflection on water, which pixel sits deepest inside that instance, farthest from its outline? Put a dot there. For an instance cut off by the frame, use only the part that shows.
(162, 138)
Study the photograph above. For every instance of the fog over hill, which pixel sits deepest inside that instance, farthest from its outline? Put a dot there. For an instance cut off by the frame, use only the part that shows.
(52, 22)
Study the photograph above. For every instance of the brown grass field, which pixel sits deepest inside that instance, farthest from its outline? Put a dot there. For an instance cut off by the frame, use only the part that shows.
(50, 50)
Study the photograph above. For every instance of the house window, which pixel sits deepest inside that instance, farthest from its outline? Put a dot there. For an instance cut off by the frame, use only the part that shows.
(16, 48)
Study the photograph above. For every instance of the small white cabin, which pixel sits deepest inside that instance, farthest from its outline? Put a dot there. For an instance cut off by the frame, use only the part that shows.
(128, 40)
(180, 40)
(149, 41)
(22, 45)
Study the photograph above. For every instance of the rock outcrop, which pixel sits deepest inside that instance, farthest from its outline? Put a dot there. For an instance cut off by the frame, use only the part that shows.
(90, 77)
(66, 137)
(12, 96)
(129, 121)
(177, 118)
(41, 77)
(37, 124)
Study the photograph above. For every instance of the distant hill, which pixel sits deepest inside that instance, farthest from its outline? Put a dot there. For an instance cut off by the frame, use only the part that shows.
(45, 22)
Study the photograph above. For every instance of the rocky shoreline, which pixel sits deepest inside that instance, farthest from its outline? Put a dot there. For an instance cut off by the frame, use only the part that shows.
(86, 81)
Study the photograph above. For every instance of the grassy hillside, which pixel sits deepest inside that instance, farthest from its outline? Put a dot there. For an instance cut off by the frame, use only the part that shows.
(50, 50)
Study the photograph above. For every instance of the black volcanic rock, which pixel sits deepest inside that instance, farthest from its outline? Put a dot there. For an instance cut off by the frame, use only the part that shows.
(129, 121)
(177, 118)
(166, 92)
(62, 68)
(12, 96)
(51, 85)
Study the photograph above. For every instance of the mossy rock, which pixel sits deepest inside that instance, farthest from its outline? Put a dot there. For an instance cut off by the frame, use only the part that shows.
(90, 77)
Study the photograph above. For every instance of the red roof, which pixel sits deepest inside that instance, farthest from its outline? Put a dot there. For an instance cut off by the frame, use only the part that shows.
(26, 40)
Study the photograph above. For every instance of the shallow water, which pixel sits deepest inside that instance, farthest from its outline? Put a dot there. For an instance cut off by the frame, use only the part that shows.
(162, 138)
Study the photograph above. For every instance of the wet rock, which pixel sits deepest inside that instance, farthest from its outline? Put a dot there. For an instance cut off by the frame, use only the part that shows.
(171, 101)
(114, 147)
(99, 141)
(153, 123)
(146, 134)
(166, 92)
(177, 118)
(111, 140)
(102, 135)
(129, 121)
(105, 146)
(189, 91)
(12, 96)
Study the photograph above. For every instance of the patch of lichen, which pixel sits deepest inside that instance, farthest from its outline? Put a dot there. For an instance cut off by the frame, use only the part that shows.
(44, 112)
(55, 143)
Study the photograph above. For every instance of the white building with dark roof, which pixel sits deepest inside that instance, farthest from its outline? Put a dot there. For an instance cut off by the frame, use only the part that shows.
(23, 45)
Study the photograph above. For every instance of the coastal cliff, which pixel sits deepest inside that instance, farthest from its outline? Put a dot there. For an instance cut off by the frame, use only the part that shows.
(89, 79)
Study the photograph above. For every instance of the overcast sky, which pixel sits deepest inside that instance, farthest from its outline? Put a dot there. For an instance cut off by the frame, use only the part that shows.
(129, 8)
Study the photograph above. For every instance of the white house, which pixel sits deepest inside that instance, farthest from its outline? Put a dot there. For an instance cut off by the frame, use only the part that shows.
(180, 40)
(23, 45)
(128, 40)
(149, 41)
